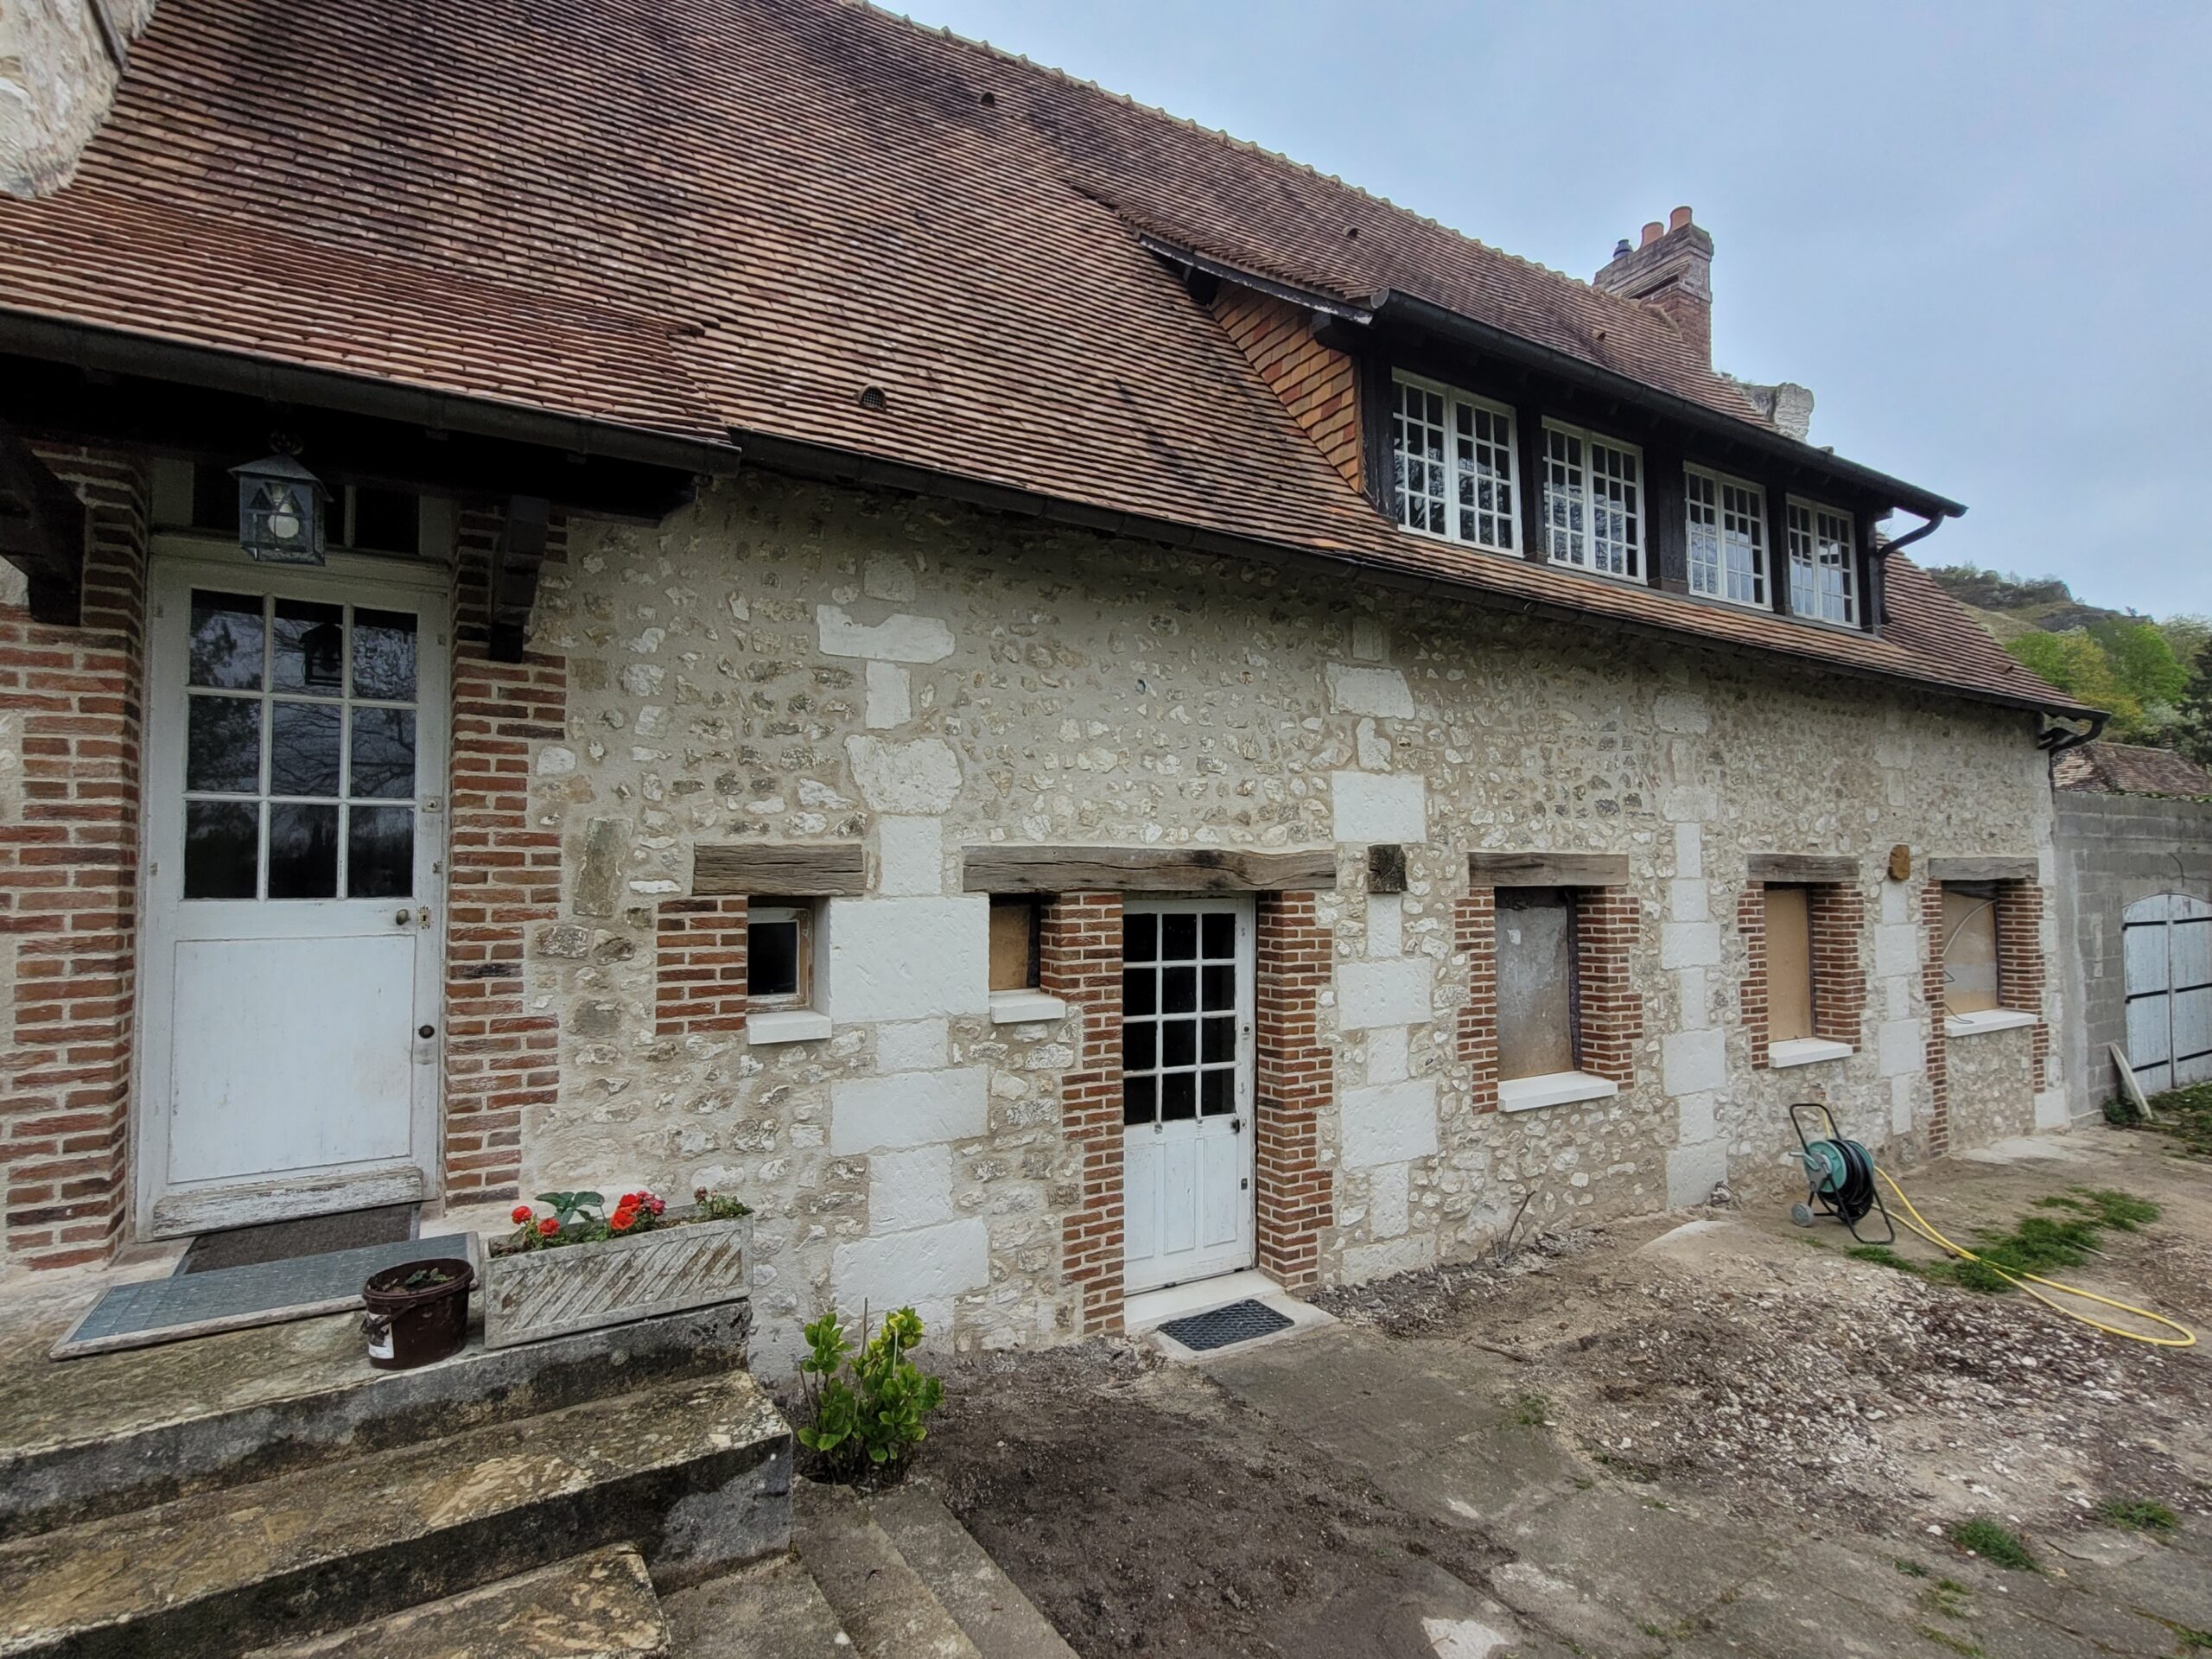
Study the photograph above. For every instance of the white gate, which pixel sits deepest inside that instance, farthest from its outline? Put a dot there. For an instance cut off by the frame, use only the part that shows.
(2168, 944)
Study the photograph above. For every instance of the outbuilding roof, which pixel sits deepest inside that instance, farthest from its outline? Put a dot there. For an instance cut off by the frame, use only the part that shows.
(705, 219)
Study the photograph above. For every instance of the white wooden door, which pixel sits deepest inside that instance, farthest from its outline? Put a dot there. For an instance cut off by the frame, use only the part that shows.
(2168, 942)
(1186, 1089)
(296, 759)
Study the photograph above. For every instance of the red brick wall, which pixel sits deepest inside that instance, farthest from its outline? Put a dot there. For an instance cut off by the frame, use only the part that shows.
(1296, 1077)
(502, 1057)
(1750, 921)
(1931, 987)
(1079, 960)
(2019, 964)
(1612, 1008)
(699, 966)
(68, 887)
(1474, 936)
(1838, 915)
(1319, 386)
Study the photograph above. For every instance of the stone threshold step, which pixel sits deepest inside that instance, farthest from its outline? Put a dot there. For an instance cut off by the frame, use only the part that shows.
(596, 1606)
(769, 1609)
(696, 1474)
(990, 1608)
(99, 1436)
(880, 1600)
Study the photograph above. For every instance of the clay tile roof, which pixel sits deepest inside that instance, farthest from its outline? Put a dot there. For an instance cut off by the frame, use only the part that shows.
(2130, 769)
(703, 217)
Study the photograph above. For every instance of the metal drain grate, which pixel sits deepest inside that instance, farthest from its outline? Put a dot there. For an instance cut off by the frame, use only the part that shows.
(1238, 1322)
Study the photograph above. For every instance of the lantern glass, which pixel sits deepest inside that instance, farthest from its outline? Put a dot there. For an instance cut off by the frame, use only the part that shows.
(281, 511)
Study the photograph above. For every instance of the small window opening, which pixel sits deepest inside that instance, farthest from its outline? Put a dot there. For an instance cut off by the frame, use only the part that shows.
(1014, 926)
(780, 956)
(1536, 988)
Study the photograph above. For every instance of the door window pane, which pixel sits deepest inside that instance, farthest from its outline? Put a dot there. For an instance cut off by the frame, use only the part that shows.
(383, 762)
(310, 647)
(221, 848)
(303, 748)
(1179, 1097)
(222, 746)
(302, 851)
(380, 852)
(1536, 983)
(1179, 938)
(1969, 949)
(1139, 1045)
(1217, 986)
(1215, 1095)
(1140, 1100)
(1221, 937)
(226, 638)
(384, 655)
(1788, 964)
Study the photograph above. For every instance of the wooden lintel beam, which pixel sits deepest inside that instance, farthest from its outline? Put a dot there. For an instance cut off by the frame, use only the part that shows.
(819, 870)
(1811, 868)
(1547, 869)
(41, 533)
(1981, 869)
(515, 564)
(1145, 869)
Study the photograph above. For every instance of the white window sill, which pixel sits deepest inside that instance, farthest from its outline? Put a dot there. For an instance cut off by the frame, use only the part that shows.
(1981, 1020)
(1555, 1089)
(1805, 1050)
(769, 1025)
(1023, 1007)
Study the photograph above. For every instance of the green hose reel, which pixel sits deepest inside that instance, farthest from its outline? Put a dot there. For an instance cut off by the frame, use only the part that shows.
(1839, 1177)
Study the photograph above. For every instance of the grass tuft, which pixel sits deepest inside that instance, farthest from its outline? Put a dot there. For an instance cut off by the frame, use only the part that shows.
(2183, 1115)
(1531, 1410)
(1909, 1567)
(1956, 1643)
(1883, 1257)
(2045, 1244)
(2139, 1514)
(1995, 1543)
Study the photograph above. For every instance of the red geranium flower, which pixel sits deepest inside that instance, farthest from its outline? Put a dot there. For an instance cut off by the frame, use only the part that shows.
(622, 1220)
(655, 1204)
(549, 1226)
(521, 1214)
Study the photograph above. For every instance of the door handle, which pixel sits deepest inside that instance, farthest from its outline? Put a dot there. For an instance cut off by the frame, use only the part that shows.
(1236, 1126)
(400, 919)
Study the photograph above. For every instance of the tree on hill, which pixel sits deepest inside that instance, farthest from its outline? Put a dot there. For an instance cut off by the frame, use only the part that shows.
(2078, 666)
(2192, 727)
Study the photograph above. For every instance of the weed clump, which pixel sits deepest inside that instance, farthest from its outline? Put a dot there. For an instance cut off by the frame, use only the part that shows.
(1883, 1257)
(2139, 1514)
(2044, 1244)
(1994, 1542)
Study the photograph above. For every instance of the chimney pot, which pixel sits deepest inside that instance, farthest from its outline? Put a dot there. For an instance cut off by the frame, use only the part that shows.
(1652, 233)
(1679, 217)
(1621, 247)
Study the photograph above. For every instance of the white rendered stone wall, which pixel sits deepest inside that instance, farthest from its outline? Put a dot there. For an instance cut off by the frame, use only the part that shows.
(792, 662)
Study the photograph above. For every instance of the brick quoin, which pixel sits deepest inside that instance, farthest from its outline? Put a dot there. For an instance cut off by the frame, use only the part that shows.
(1296, 1075)
(1474, 936)
(69, 837)
(501, 1058)
(2019, 966)
(699, 964)
(1606, 923)
(1931, 987)
(1079, 960)
(1750, 921)
(1835, 915)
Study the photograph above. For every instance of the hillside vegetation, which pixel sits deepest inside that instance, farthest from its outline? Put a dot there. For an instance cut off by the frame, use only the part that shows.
(2155, 676)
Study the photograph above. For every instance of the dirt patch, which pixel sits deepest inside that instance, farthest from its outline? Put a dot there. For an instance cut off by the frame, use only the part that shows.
(1143, 1509)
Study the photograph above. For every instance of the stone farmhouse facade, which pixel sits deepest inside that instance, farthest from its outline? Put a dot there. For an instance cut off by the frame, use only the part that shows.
(1058, 702)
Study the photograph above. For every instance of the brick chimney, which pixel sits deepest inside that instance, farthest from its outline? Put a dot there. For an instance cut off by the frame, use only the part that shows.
(1671, 267)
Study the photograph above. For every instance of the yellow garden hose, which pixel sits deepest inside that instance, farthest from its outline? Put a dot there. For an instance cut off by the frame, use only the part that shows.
(2184, 1339)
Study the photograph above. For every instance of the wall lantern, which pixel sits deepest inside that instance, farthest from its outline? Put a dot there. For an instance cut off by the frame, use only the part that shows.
(280, 511)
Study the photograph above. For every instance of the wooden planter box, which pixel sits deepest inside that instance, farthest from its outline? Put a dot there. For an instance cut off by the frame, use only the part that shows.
(533, 1295)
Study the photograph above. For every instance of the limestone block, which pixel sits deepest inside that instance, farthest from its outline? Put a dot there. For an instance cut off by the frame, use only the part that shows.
(1694, 1171)
(1901, 1046)
(912, 1046)
(905, 958)
(1379, 692)
(1386, 917)
(929, 1263)
(1393, 992)
(1371, 808)
(1371, 640)
(1699, 1119)
(911, 1109)
(1897, 902)
(1370, 749)
(890, 695)
(1690, 986)
(1689, 849)
(1390, 1123)
(2051, 1111)
(1387, 1192)
(897, 639)
(1689, 944)
(598, 873)
(912, 852)
(1365, 1261)
(910, 1189)
(1386, 1055)
(1901, 1105)
(921, 778)
(1898, 949)
(1676, 711)
(1690, 899)
(1692, 1062)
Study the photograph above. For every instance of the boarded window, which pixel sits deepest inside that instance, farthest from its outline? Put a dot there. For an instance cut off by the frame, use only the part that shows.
(1969, 947)
(1013, 944)
(1788, 964)
(779, 956)
(1536, 983)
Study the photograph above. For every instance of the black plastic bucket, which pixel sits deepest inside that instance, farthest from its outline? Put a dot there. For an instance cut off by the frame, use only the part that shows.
(418, 1311)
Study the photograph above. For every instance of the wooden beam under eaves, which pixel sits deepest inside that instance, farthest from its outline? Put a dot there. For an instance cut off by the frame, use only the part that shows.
(515, 564)
(42, 532)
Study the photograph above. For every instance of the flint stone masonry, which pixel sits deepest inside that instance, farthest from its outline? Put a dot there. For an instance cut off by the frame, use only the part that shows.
(909, 1110)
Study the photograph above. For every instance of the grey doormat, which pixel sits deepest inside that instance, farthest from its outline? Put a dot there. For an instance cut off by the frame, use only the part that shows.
(230, 1298)
(1238, 1322)
(274, 1241)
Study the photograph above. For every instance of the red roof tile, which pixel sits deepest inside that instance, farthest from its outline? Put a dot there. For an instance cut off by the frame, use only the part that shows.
(2131, 769)
(688, 216)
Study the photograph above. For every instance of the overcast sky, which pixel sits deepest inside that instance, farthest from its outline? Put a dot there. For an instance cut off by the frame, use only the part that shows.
(1980, 232)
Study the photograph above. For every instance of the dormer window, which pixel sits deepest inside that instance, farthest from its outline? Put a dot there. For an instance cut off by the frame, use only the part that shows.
(1594, 502)
(1727, 538)
(1823, 563)
(1453, 456)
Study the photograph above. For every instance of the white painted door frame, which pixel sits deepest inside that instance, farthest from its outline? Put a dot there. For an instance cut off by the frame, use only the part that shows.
(1189, 1203)
(165, 1207)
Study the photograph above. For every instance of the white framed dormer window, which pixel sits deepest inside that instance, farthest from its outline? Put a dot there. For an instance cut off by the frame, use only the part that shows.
(1594, 502)
(1727, 538)
(1823, 563)
(1453, 459)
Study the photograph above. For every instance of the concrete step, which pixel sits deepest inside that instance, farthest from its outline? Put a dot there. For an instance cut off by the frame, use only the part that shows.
(596, 1606)
(696, 1474)
(84, 1438)
(887, 1609)
(1001, 1622)
(770, 1609)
